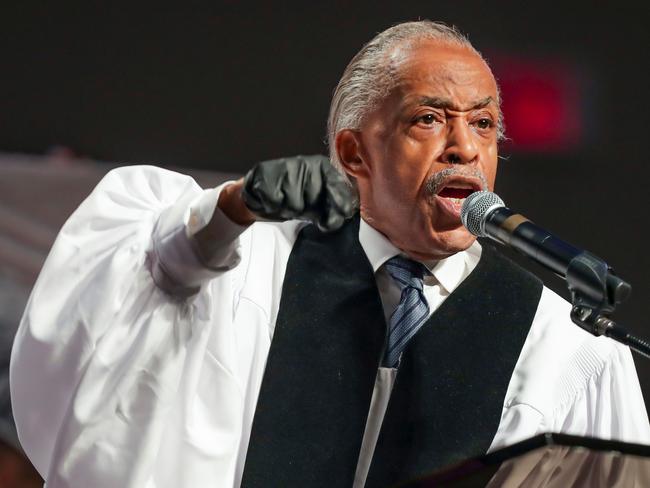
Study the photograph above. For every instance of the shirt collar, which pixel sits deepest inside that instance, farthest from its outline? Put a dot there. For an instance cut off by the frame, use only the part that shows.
(377, 247)
(449, 272)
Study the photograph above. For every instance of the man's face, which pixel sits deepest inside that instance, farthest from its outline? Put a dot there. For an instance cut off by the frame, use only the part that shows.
(428, 145)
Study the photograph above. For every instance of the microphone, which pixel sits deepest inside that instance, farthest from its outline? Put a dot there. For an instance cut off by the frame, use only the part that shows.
(595, 289)
(485, 215)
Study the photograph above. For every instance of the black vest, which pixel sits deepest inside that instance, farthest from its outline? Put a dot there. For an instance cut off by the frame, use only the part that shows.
(328, 342)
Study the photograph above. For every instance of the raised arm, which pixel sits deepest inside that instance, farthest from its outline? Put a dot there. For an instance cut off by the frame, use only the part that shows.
(131, 324)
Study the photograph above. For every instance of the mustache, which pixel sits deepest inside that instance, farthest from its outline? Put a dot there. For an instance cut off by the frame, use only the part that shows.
(438, 180)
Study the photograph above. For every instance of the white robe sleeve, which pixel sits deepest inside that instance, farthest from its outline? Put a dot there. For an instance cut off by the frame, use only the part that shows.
(98, 359)
(566, 380)
(607, 403)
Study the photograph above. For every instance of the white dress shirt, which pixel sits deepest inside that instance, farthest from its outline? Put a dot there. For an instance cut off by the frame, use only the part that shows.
(445, 276)
(140, 355)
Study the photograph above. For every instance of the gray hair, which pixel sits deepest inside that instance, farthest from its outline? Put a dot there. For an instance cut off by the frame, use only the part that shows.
(368, 78)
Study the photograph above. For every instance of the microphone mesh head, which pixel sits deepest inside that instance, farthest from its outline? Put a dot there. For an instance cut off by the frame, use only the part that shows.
(476, 208)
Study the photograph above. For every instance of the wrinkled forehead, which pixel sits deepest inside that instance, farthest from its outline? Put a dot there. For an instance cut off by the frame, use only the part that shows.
(445, 69)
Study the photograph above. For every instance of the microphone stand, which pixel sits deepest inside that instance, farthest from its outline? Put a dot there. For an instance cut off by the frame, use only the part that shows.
(595, 292)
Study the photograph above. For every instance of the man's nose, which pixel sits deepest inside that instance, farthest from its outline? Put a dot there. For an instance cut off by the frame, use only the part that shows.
(461, 145)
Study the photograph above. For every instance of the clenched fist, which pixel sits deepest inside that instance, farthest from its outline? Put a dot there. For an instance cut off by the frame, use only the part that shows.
(300, 187)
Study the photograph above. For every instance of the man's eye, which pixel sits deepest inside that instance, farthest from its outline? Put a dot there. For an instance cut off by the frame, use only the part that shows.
(484, 123)
(427, 119)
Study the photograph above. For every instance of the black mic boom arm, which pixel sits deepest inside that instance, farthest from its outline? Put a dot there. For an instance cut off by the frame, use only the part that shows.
(595, 289)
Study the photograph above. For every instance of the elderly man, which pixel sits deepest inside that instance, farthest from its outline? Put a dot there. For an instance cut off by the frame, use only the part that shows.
(187, 338)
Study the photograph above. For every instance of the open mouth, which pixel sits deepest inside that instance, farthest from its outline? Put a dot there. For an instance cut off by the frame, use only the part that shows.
(454, 191)
(457, 193)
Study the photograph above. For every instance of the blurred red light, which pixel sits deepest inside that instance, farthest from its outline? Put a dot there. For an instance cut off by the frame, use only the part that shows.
(541, 104)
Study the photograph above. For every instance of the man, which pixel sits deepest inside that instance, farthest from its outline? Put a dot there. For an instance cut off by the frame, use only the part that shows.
(176, 339)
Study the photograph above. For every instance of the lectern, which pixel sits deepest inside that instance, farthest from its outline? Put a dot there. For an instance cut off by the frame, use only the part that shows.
(549, 461)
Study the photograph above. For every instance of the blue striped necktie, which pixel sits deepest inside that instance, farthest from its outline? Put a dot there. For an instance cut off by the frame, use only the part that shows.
(413, 309)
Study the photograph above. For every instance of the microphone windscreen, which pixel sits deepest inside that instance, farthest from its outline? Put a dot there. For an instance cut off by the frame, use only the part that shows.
(476, 208)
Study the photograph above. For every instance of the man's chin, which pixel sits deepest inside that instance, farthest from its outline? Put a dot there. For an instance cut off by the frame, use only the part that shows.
(441, 245)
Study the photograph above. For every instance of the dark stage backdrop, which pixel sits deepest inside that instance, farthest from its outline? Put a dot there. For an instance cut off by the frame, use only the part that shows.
(222, 86)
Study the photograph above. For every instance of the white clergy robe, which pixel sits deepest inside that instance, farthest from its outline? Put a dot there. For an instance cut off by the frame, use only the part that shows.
(140, 355)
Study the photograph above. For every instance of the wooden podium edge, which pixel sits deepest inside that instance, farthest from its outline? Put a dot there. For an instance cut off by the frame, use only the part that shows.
(495, 458)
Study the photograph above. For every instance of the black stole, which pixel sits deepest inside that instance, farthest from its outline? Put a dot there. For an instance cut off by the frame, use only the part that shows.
(328, 342)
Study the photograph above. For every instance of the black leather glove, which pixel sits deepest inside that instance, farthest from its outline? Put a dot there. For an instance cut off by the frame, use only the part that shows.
(300, 187)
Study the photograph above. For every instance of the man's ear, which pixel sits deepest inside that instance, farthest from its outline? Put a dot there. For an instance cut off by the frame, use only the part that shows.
(350, 152)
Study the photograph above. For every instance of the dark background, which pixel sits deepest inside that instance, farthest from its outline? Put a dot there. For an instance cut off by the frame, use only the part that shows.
(224, 85)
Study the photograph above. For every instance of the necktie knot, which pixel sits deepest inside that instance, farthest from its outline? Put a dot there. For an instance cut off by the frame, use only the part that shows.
(406, 272)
